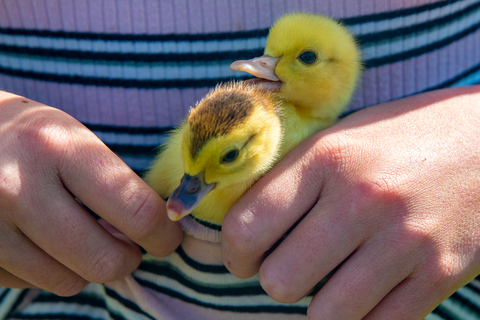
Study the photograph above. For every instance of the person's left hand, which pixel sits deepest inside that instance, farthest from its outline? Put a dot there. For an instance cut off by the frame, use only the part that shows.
(392, 191)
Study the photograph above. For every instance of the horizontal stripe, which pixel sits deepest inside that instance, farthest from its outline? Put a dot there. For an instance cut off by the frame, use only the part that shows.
(457, 78)
(189, 37)
(220, 36)
(18, 300)
(165, 130)
(237, 291)
(143, 151)
(128, 47)
(286, 309)
(80, 299)
(202, 82)
(55, 316)
(219, 269)
(408, 54)
(419, 27)
(205, 52)
(475, 288)
(440, 311)
(465, 303)
(129, 130)
(138, 70)
(3, 294)
(131, 57)
(397, 13)
(207, 224)
(123, 83)
(126, 303)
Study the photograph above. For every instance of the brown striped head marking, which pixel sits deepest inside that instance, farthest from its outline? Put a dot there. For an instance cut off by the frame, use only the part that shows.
(220, 111)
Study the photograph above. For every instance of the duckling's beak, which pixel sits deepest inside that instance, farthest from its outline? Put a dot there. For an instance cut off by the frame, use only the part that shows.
(261, 67)
(187, 196)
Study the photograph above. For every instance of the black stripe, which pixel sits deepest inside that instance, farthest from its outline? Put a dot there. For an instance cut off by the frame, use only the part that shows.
(375, 17)
(128, 130)
(81, 299)
(222, 291)
(442, 85)
(142, 58)
(149, 151)
(207, 224)
(441, 312)
(405, 32)
(212, 36)
(54, 316)
(210, 268)
(4, 294)
(381, 61)
(136, 37)
(456, 79)
(470, 286)
(166, 130)
(219, 269)
(126, 303)
(13, 308)
(465, 303)
(202, 83)
(286, 309)
(133, 151)
(122, 83)
(134, 58)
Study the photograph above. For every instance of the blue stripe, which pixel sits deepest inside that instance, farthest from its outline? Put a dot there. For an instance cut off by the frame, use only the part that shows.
(224, 55)
(213, 36)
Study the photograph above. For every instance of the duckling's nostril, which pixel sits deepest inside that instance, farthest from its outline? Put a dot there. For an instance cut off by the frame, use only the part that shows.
(193, 186)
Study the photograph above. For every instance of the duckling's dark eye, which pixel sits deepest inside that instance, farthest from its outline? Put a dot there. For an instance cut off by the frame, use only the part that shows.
(308, 57)
(230, 156)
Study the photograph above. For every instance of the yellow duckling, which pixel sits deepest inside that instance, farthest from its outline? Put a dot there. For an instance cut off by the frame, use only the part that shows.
(240, 130)
(230, 139)
(313, 62)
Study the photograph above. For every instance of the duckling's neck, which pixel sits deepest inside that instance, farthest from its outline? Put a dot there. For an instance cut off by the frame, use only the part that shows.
(217, 202)
(299, 124)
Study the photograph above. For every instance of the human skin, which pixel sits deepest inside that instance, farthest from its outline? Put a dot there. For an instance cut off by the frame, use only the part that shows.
(392, 191)
(48, 163)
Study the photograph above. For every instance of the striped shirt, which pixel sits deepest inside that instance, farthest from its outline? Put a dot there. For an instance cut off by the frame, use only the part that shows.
(130, 70)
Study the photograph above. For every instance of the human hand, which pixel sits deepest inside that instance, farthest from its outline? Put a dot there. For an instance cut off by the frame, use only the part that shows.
(47, 238)
(391, 191)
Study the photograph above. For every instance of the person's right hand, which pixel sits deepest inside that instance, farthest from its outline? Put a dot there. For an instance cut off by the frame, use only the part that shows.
(48, 163)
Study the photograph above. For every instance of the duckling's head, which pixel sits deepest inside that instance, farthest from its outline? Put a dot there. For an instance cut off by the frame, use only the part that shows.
(230, 138)
(312, 60)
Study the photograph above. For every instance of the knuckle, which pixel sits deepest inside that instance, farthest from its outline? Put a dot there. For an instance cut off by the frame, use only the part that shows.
(68, 286)
(142, 218)
(44, 138)
(106, 265)
(276, 285)
(333, 152)
(240, 239)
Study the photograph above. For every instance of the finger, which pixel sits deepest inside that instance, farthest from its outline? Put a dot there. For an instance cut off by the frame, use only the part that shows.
(317, 245)
(32, 267)
(8, 280)
(106, 185)
(362, 281)
(249, 230)
(414, 298)
(64, 230)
